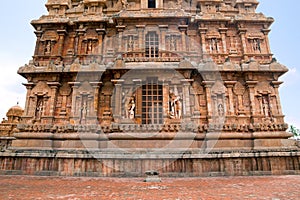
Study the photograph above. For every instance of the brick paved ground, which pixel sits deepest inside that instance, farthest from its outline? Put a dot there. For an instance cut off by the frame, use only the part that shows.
(271, 187)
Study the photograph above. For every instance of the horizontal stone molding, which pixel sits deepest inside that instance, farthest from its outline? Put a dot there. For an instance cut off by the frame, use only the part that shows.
(109, 164)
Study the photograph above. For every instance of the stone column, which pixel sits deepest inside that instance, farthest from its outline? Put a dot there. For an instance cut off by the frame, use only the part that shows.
(38, 41)
(29, 87)
(208, 85)
(101, 33)
(202, 32)
(80, 34)
(183, 29)
(74, 86)
(61, 41)
(229, 86)
(223, 32)
(162, 44)
(95, 104)
(138, 90)
(76, 47)
(266, 33)
(276, 85)
(118, 99)
(72, 42)
(53, 97)
(144, 4)
(120, 29)
(166, 99)
(242, 33)
(251, 85)
(141, 35)
(186, 112)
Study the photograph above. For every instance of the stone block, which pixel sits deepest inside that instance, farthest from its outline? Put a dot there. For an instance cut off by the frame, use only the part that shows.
(32, 144)
(229, 144)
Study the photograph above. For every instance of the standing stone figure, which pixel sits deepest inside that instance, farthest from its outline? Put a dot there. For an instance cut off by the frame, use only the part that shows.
(265, 103)
(176, 105)
(48, 47)
(131, 108)
(83, 113)
(221, 109)
(39, 109)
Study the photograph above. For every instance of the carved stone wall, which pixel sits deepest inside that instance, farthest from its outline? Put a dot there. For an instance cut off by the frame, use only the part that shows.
(141, 74)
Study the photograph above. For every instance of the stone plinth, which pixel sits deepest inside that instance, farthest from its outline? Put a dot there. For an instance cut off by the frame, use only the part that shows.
(172, 163)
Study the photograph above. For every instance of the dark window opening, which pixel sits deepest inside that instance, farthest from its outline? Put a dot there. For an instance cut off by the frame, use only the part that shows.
(151, 4)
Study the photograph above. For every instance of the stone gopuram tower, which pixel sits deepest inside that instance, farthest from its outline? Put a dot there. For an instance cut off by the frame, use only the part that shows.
(119, 87)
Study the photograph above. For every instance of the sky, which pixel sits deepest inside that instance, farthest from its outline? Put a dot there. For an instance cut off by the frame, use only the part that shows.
(17, 42)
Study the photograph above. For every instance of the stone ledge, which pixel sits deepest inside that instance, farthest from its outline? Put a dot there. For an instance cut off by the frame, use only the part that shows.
(180, 167)
(150, 154)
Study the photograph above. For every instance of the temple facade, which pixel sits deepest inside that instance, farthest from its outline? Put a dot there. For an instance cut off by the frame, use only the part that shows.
(139, 84)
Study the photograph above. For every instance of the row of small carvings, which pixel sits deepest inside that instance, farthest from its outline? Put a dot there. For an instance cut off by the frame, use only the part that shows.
(200, 67)
(190, 127)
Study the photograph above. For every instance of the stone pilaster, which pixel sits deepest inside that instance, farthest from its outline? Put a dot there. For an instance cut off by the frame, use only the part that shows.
(120, 29)
(75, 86)
(229, 86)
(139, 100)
(95, 104)
(242, 33)
(72, 42)
(223, 32)
(208, 85)
(251, 85)
(29, 87)
(186, 98)
(79, 39)
(38, 41)
(202, 32)
(53, 97)
(118, 99)
(61, 40)
(166, 98)
(163, 29)
(141, 35)
(276, 85)
(101, 33)
(266, 33)
(183, 29)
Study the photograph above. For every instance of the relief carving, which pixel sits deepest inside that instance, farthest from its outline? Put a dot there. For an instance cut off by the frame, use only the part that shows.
(218, 100)
(239, 90)
(264, 91)
(131, 109)
(175, 106)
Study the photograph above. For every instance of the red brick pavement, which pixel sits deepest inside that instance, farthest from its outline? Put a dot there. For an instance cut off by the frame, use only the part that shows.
(267, 187)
